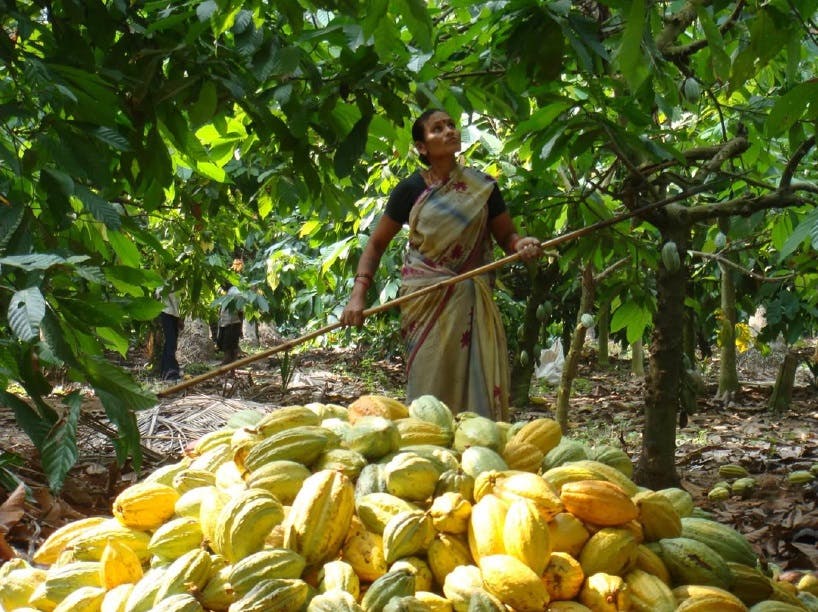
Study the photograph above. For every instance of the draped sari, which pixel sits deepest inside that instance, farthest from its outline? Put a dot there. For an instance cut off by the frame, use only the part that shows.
(455, 341)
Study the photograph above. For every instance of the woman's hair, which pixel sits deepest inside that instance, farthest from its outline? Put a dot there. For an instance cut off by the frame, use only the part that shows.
(419, 132)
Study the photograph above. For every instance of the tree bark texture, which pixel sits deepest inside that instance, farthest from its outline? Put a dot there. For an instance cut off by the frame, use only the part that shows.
(638, 358)
(656, 468)
(569, 371)
(728, 375)
(603, 334)
(781, 397)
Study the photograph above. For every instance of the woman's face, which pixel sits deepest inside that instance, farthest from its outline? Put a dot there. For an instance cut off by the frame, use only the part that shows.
(442, 138)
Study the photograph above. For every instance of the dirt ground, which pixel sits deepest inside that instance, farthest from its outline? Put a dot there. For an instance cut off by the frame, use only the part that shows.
(779, 519)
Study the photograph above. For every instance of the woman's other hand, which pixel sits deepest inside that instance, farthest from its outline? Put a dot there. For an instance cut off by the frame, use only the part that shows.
(353, 313)
(528, 248)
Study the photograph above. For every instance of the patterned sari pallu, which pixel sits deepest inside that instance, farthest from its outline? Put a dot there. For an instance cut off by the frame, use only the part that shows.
(455, 342)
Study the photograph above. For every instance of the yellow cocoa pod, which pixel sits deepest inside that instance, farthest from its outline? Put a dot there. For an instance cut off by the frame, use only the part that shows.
(218, 592)
(703, 598)
(181, 602)
(189, 573)
(88, 545)
(119, 565)
(609, 551)
(419, 568)
(434, 602)
(587, 469)
(406, 534)
(376, 509)
(176, 537)
(657, 515)
(526, 535)
(145, 505)
(301, 444)
(450, 513)
(61, 581)
(543, 433)
(265, 564)
(650, 562)
(568, 534)
(486, 526)
(50, 549)
(84, 599)
(445, 553)
(334, 600)
(190, 478)
(461, 583)
(281, 478)
(18, 584)
(563, 576)
(275, 595)
(320, 516)
(411, 477)
(210, 507)
(416, 431)
(598, 502)
(648, 593)
(244, 523)
(522, 456)
(283, 418)
(116, 598)
(605, 593)
(377, 405)
(339, 575)
(509, 485)
(363, 550)
(513, 583)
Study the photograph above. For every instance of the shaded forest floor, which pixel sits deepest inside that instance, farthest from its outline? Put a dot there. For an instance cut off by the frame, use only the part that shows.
(779, 519)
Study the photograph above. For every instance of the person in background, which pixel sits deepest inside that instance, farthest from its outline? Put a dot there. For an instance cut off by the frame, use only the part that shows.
(454, 338)
(230, 322)
(172, 325)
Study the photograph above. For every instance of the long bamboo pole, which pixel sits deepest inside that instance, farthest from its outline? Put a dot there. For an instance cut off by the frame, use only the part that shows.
(546, 244)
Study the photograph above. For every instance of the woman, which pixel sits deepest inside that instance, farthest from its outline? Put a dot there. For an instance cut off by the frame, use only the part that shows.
(455, 343)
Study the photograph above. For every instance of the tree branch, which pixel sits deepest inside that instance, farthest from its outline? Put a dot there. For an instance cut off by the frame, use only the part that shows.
(743, 206)
(750, 273)
(789, 169)
(672, 31)
(611, 269)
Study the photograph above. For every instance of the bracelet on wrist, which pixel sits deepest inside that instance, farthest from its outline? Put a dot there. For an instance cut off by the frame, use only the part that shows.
(365, 279)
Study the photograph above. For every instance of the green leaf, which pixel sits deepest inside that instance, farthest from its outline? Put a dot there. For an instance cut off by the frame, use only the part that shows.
(10, 219)
(35, 261)
(59, 453)
(718, 56)
(633, 317)
(416, 17)
(790, 107)
(121, 397)
(205, 106)
(113, 340)
(133, 281)
(125, 249)
(35, 425)
(144, 308)
(26, 310)
(629, 56)
(807, 228)
(352, 147)
(112, 138)
(101, 209)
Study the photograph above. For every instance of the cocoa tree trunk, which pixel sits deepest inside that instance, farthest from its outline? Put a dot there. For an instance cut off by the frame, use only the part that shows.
(728, 374)
(603, 334)
(781, 397)
(656, 467)
(638, 359)
(569, 371)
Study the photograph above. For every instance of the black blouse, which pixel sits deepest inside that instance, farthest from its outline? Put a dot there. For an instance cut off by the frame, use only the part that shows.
(404, 196)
